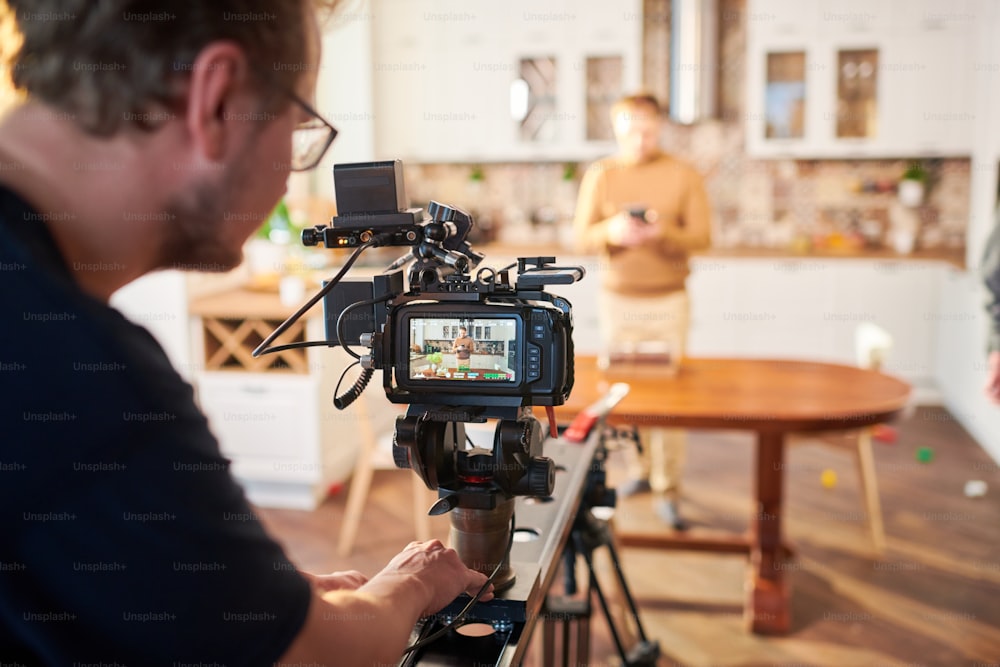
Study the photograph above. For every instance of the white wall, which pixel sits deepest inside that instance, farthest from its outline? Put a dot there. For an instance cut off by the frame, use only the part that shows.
(961, 359)
(344, 90)
(962, 329)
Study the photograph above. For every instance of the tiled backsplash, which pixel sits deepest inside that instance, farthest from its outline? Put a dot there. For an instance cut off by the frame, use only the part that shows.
(766, 203)
(756, 203)
(513, 203)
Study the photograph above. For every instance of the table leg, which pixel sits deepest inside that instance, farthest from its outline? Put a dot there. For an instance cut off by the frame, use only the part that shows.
(766, 611)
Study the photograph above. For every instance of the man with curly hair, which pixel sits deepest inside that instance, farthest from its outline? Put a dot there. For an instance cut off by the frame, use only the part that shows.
(151, 136)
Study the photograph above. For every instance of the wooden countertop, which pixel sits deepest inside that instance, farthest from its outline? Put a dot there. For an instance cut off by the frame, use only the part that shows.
(953, 256)
(242, 303)
(264, 303)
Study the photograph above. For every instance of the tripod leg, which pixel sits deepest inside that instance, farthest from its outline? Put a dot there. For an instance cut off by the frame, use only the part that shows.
(583, 641)
(596, 587)
(608, 572)
(633, 610)
(548, 642)
(644, 653)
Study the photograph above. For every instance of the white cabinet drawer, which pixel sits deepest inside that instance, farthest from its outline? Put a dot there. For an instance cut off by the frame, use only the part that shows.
(265, 423)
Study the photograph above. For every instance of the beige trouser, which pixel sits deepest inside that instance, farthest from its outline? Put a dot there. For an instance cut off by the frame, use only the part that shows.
(626, 321)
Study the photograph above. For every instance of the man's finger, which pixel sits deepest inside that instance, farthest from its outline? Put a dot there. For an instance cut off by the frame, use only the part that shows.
(487, 594)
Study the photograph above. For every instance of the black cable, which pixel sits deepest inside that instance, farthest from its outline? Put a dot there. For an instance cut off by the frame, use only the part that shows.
(340, 320)
(295, 346)
(263, 347)
(352, 394)
(465, 610)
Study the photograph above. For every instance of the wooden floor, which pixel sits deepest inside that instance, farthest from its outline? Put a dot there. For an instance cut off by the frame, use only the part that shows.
(932, 599)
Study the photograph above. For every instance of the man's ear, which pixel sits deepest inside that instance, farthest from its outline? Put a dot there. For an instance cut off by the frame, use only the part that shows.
(218, 74)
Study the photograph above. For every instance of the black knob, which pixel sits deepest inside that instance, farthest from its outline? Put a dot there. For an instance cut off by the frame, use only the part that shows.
(440, 212)
(401, 456)
(541, 476)
(310, 236)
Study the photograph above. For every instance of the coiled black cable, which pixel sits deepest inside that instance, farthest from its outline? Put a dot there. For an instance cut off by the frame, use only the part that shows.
(352, 394)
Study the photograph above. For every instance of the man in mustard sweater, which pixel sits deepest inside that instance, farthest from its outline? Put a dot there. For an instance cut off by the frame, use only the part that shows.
(644, 211)
(463, 347)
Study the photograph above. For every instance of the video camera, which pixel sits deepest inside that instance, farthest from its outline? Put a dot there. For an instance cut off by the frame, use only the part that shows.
(521, 354)
(524, 345)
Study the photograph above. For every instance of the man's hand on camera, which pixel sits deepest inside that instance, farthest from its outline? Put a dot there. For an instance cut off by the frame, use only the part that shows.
(372, 623)
(629, 231)
(992, 387)
(438, 570)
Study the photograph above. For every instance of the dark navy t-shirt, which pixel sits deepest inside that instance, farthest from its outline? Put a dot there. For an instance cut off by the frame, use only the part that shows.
(123, 537)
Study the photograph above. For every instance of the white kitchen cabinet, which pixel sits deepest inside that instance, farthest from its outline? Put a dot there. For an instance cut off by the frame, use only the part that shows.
(402, 76)
(760, 308)
(440, 80)
(927, 91)
(258, 419)
(902, 297)
(769, 19)
(790, 307)
(809, 309)
(443, 72)
(924, 75)
(288, 444)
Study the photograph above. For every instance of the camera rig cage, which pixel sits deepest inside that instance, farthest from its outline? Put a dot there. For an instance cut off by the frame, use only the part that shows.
(534, 367)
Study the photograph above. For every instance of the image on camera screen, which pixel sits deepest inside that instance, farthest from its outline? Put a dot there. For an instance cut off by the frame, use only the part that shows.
(469, 350)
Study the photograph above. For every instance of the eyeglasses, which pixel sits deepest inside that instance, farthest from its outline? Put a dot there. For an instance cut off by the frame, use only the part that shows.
(311, 138)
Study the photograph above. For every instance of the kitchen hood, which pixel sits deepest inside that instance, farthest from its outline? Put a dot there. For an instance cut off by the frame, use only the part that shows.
(694, 59)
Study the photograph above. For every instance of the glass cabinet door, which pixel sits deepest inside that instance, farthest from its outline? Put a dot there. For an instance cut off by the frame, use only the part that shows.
(539, 121)
(857, 101)
(785, 95)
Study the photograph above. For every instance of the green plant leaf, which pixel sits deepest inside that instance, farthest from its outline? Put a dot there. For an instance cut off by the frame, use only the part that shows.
(914, 172)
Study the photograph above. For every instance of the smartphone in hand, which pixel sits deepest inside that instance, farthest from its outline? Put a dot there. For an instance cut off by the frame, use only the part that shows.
(638, 212)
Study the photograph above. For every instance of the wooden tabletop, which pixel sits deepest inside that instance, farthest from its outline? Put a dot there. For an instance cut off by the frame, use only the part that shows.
(746, 394)
(245, 303)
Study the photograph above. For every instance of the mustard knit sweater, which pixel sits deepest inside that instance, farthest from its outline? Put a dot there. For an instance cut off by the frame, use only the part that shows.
(665, 184)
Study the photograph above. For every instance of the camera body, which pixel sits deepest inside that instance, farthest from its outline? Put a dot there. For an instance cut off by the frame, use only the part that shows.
(522, 354)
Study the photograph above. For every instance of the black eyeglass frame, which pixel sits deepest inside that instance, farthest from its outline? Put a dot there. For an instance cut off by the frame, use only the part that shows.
(331, 130)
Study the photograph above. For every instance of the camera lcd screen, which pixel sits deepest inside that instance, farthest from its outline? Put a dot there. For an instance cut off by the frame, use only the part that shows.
(482, 349)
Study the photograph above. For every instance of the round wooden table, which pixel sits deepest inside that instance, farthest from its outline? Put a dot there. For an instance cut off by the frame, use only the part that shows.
(771, 398)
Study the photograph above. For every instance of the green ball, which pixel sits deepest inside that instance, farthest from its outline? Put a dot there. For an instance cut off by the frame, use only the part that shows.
(925, 454)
